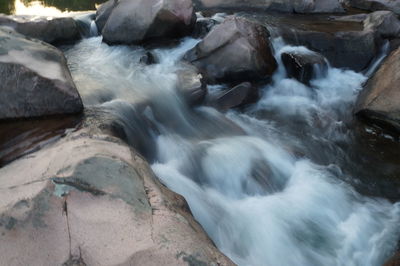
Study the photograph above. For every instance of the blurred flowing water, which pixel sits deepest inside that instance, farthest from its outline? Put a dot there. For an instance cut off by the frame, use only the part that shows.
(273, 184)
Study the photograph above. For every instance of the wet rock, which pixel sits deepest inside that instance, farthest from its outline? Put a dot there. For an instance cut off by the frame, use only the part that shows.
(103, 13)
(135, 21)
(127, 122)
(385, 24)
(379, 101)
(346, 41)
(359, 18)
(190, 84)
(394, 44)
(297, 6)
(374, 5)
(343, 49)
(51, 30)
(85, 24)
(304, 66)
(203, 26)
(148, 59)
(239, 95)
(90, 199)
(34, 79)
(394, 261)
(236, 50)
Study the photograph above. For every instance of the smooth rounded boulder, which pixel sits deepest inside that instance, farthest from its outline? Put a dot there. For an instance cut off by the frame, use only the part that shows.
(54, 30)
(134, 21)
(235, 50)
(379, 101)
(34, 79)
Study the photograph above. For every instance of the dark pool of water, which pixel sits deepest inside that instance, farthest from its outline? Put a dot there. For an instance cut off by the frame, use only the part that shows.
(8, 6)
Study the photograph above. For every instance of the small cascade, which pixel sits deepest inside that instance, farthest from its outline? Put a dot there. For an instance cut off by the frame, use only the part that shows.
(93, 29)
(263, 182)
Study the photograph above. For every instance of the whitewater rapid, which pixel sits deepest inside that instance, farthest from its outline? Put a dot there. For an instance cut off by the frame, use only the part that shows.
(264, 182)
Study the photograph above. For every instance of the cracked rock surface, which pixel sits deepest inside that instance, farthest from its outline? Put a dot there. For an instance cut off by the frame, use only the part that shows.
(91, 200)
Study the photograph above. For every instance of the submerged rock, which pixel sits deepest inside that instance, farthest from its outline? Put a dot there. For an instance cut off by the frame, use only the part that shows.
(132, 21)
(343, 49)
(236, 50)
(296, 6)
(51, 30)
(34, 79)
(379, 101)
(148, 58)
(374, 5)
(304, 66)
(190, 84)
(351, 42)
(91, 200)
(239, 95)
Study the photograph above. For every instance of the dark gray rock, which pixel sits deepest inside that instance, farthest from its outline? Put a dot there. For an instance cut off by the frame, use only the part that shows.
(132, 21)
(343, 49)
(203, 26)
(302, 66)
(148, 59)
(374, 5)
(50, 30)
(236, 50)
(385, 24)
(34, 79)
(379, 101)
(297, 6)
(84, 22)
(346, 41)
(239, 95)
(103, 13)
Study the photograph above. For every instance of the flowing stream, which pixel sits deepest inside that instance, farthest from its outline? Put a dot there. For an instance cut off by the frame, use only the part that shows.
(267, 183)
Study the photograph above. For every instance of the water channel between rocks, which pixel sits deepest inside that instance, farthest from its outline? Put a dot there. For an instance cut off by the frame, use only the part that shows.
(273, 184)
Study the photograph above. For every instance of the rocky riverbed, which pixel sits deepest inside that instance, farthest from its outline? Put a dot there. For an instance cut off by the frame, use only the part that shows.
(204, 132)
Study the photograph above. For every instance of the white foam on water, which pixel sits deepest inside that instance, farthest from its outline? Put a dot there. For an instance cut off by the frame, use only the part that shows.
(259, 200)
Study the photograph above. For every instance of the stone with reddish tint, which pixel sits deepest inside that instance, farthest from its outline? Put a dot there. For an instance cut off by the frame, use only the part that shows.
(379, 101)
(131, 21)
(91, 200)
